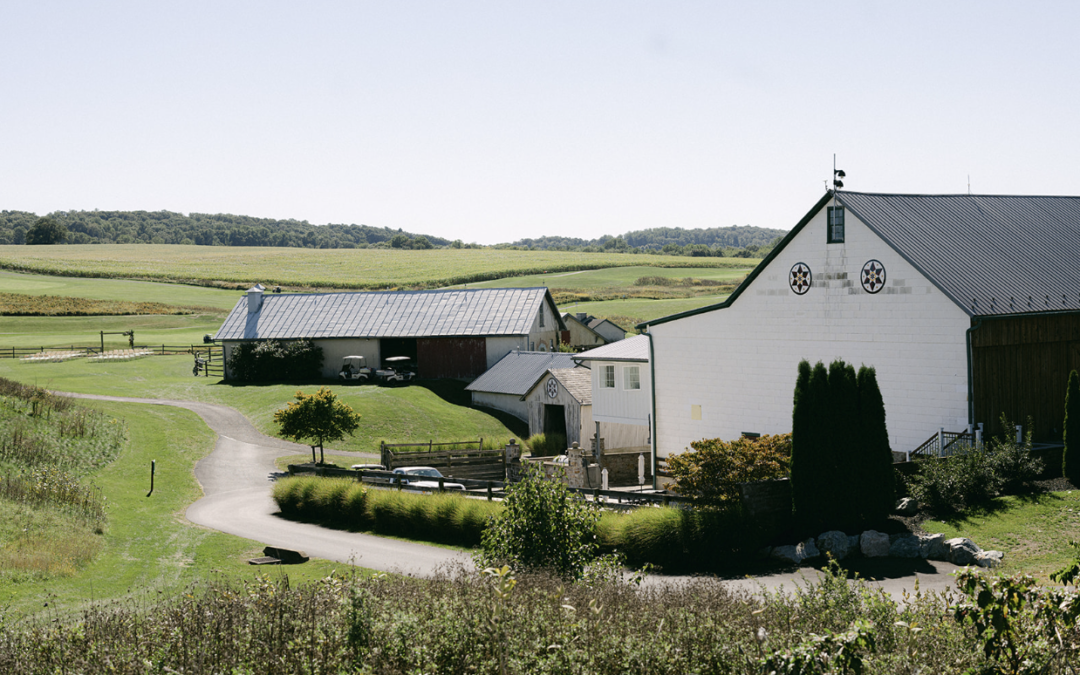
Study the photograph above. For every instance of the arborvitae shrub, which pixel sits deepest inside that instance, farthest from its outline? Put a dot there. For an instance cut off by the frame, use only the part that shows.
(1071, 457)
(877, 482)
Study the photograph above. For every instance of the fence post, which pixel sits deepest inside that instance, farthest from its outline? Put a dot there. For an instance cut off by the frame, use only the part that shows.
(489, 490)
(941, 442)
(1019, 433)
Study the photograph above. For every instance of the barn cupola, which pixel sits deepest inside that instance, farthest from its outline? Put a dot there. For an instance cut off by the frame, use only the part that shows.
(255, 298)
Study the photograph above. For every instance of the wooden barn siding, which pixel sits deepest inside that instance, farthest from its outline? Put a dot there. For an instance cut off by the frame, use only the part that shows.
(451, 357)
(1020, 366)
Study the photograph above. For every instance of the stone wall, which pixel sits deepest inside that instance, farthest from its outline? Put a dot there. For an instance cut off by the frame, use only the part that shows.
(622, 466)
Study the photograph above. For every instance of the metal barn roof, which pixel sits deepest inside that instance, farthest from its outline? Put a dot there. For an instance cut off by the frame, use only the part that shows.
(576, 381)
(391, 314)
(517, 372)
(991, 254)
(630, 349)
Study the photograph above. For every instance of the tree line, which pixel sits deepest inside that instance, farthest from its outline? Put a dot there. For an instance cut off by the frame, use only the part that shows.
(735, 241)
(199, 229)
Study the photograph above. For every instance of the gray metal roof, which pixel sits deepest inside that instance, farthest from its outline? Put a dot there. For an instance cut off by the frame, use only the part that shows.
(517, 372)
(991, 254)
(630, 349)
(450, 313)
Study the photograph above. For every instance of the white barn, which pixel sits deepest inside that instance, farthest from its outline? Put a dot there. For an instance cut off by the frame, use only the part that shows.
(967, 306)
(503, 387)
(449, 333)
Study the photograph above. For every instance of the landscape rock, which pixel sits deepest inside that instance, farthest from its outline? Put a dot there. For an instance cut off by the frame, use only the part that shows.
(787, 553)
(907, 507)
(874, 544)
(932, 547)
(962, 550)
(853, 544)
(807, 550)
(989, 558)
(834, 543)
(905, 546)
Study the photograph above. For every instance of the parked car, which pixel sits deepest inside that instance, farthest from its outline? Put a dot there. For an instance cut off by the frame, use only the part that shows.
(425, 477)
(396, 369)
(354, 369)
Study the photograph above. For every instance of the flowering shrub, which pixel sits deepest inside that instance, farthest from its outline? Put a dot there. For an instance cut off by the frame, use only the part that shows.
(713, 469)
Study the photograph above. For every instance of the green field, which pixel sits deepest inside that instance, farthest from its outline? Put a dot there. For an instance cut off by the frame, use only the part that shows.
(118, 289)
(85, 331)
(318, 268)
(628, 313)
(617, 277)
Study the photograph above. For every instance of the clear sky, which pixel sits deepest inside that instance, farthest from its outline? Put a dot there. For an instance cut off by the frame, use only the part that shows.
(493, 121)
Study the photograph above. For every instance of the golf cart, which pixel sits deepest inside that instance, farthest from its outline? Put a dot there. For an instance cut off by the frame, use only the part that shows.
(396, 369)
(354, 369)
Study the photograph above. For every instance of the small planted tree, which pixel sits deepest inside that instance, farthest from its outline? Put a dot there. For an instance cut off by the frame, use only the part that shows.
(316, 419)
(1071, 458)
(541, 527)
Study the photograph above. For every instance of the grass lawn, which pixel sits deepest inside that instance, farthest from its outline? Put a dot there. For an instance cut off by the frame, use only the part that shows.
(1032, 530)
(419, 412)
(619, 277)
(321, 268)
(118, 289)
(147, 546)
(85, 331)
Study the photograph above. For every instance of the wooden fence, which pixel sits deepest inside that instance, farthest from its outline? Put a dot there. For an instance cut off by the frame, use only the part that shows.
(465, 459)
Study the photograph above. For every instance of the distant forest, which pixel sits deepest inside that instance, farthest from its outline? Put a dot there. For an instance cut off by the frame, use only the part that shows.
(166, 227)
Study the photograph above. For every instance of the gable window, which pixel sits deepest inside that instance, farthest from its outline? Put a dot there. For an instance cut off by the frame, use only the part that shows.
(541, 316)
(836, 225)
(632, 378)
(607, 377)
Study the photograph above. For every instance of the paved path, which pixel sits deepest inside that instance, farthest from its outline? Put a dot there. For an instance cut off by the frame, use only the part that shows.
(236, 479)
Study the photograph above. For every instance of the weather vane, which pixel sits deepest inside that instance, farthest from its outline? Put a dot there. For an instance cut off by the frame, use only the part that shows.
(837, 174)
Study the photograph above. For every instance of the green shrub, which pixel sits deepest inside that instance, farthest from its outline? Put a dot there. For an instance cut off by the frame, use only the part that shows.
(276, 361)
(712, 470)
(344, 503)
(546, 445)
(541, 527)
(970, 477)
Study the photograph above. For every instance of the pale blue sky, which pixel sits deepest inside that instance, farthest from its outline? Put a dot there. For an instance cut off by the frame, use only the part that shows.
(493, 121)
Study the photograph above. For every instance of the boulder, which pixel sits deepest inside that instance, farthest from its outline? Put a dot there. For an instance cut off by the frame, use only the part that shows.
(988, 558)
(962, 550)
(807, 550)
(905, 546)
(874, 544)
(853, 544)
(788, 554)
(907, 507)
(834, 543)
(932, 547)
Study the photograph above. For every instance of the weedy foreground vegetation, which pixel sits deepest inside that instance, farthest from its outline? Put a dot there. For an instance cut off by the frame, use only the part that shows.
(51, 517)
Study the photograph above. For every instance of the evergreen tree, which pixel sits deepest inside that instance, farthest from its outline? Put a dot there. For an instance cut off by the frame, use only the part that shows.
(876, 483)
(1070, 466)
(803, 461)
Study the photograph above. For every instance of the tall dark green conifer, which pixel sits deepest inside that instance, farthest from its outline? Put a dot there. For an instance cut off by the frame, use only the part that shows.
(877, 491)
(803, 462)
(1070, 465)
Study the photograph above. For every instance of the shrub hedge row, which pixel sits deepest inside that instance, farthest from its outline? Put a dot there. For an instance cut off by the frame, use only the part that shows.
(674, 540)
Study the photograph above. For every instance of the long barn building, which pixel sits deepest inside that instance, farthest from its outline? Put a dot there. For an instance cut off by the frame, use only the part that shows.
(448, 333)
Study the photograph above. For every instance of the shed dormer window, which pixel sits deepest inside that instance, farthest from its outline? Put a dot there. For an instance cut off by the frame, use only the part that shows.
(836, 225)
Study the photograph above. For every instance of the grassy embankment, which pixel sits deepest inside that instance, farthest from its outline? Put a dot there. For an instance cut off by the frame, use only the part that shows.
(143, 546)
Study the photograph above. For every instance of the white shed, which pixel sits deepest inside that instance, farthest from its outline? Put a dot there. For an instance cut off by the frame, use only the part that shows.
(621, 392)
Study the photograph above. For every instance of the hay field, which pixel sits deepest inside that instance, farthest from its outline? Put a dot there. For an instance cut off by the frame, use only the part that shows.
(318, 268)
